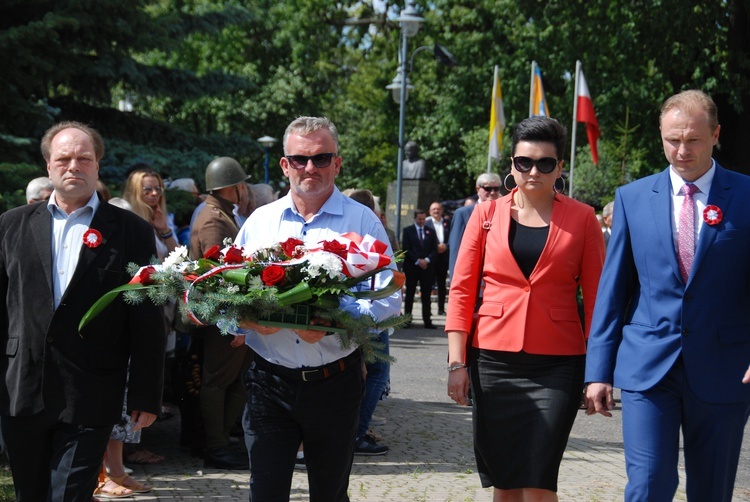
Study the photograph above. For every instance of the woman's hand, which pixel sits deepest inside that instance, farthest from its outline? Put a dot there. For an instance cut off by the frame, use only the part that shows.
(159, 221)
(458, 386)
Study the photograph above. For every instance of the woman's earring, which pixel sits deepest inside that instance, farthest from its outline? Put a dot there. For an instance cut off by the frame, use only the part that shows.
(562, 190)
(505, 182)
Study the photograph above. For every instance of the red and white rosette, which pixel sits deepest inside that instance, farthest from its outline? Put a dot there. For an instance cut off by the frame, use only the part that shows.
(712, 215)
(92, 238)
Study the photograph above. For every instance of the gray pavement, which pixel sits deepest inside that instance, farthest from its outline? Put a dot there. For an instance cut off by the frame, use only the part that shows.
(431, 456)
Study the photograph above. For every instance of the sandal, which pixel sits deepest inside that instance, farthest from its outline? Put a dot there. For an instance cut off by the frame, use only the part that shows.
(144, 457)
(129, 482)
(117, 492)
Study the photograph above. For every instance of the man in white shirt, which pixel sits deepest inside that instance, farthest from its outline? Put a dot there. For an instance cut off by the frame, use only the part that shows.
(442, 232)
(302, 386)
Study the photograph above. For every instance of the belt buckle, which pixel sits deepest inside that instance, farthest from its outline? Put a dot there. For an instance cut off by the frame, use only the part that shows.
(305, 372)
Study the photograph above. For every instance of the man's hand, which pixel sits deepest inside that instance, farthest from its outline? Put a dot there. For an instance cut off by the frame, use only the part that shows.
(746, 379)
(599, 399)
(423, 263)
(142, 419)
(442, 248)
(237, 341)
(261, 330)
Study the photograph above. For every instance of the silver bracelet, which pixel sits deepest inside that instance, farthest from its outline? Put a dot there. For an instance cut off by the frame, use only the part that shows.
(455, 367)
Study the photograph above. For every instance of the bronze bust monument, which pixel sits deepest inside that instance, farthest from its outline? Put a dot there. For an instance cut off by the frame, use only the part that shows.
(414, 168)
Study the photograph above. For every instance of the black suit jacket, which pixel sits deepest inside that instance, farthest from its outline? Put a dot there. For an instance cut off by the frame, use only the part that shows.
(442, 257)
(415, 249)
(46, 364)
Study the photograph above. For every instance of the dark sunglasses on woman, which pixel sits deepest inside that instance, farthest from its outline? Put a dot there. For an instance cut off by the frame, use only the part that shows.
(544, 165)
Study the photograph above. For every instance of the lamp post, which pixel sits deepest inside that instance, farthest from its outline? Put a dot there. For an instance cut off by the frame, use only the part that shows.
(410, 22)
(267, 142)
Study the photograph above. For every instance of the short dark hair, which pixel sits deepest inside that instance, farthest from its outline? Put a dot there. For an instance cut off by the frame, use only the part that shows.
(49, 135)
(419, 211)
(540, 130)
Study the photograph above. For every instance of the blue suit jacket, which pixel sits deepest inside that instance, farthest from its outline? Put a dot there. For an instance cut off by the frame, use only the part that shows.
(646, 316)
(458, 226)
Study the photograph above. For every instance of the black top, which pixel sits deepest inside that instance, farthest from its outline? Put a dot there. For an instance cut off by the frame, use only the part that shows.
(527, 244)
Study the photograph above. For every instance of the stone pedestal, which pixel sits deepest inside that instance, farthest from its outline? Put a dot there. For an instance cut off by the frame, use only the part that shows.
(415, 194)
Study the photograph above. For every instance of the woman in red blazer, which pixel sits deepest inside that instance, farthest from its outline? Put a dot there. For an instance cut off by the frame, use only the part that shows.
(528, 350)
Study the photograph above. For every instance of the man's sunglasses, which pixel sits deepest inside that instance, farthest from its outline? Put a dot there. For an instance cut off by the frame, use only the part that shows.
(489, 188)
(320, 160)
(545, 165)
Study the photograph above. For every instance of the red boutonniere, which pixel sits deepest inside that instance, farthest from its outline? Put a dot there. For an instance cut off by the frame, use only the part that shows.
(92, 238)
(712, 215)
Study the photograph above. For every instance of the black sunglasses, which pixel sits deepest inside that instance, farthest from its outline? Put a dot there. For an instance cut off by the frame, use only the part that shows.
(489, 188)
(321, 160)
(545, 165)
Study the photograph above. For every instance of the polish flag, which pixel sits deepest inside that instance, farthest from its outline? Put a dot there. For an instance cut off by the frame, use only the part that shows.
(586, 114)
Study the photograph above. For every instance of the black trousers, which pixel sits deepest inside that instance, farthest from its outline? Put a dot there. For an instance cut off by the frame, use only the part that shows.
(283, 411)
(425, 278)
(53, 461)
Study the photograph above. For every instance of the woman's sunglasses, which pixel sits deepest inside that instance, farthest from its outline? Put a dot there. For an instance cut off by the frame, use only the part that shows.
(545, 165)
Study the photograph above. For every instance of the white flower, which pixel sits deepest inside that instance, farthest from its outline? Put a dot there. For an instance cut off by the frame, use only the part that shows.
(176, 257)
(322, 262)
(233, 288)
(254, 282)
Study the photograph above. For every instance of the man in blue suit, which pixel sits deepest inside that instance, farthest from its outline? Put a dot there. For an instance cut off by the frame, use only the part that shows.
(671, 326)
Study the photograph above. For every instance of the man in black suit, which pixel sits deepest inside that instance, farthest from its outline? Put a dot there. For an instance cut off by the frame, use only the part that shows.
(420, 244)
(62, 390)
(442, 232)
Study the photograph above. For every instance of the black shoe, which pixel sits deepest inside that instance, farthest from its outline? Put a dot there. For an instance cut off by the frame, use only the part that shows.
(441, 312)
(225, 458)
(368, 446)
(429, 325)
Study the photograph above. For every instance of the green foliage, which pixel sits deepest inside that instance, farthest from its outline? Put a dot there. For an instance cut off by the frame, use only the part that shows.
(208, 77)
(13, 180)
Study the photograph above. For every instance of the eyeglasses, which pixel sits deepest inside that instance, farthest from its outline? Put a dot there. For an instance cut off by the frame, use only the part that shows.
(489, 188)
(321, 160)
(545, 165)
(148, 190)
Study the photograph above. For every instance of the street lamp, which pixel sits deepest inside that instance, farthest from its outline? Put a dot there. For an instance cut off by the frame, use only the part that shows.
(410, 22)
(267, 142)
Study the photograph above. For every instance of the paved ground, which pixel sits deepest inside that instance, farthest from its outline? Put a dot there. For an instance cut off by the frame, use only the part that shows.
(431, 457)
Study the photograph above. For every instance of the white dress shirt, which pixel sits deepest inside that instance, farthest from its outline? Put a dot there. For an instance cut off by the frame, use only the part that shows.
(701, 199)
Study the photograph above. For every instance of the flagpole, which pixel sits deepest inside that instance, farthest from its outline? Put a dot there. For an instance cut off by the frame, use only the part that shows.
(573, 129)
(489, 148)
(531, 89)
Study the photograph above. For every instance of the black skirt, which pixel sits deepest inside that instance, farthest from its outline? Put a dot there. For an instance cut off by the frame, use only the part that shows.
(524, 409)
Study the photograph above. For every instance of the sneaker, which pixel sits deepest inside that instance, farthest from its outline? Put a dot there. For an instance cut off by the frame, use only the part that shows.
(368, 446)
(300, 463)
(376, 420)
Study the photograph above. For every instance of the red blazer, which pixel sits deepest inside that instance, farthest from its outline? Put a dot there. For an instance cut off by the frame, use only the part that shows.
(538, 315)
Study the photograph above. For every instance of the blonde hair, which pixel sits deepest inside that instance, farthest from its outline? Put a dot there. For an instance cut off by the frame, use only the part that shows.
(133, 193)
(690, 101)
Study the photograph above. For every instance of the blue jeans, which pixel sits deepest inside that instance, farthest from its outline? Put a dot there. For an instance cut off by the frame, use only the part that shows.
(283, 412)
(378, 374)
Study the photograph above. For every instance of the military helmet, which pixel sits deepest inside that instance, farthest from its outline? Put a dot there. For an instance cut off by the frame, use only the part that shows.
(224, 172)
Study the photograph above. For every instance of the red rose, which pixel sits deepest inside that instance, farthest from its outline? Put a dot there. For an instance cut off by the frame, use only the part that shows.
(336, 248)
(290, 247)
(233, 255)
(273, 275)
(144, 277)
(213, 253)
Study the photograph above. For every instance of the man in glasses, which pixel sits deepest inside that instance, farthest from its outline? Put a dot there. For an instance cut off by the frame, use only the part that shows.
(488, 188)
(320, 405)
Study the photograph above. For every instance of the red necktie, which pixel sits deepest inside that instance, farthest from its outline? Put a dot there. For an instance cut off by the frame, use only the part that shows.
(686, 231)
